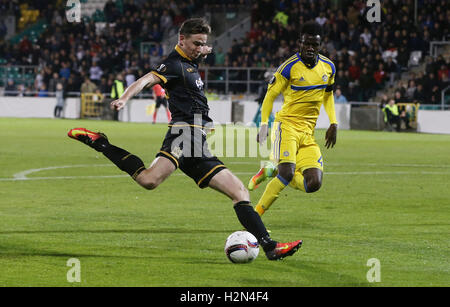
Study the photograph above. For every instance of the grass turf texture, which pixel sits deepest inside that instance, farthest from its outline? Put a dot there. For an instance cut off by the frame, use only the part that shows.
(384, 196)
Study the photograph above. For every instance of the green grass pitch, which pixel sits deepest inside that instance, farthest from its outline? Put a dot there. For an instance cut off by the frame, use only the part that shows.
(384, 196)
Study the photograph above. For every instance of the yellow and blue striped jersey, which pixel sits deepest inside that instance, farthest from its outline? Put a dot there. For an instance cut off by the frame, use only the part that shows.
(304, 90)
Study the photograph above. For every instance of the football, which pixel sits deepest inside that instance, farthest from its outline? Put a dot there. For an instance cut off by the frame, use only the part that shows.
(241, 247)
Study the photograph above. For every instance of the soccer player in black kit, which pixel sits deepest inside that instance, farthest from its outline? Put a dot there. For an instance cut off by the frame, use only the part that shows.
(184, 146)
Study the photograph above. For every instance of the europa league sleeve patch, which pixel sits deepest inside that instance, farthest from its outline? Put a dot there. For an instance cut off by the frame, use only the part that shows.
(272, 81)
(162, 68)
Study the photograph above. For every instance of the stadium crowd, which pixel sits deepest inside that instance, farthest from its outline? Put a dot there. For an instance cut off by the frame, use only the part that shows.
(368, 56)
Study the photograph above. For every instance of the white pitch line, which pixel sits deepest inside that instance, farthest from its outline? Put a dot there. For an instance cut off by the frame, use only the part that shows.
(236, 173)
(23, 175)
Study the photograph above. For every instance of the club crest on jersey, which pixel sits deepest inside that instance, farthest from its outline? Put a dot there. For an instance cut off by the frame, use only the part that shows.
(161, 68)
(190, 69)
(177, 152)
(286, 153)
(199, 83)
(324, 78)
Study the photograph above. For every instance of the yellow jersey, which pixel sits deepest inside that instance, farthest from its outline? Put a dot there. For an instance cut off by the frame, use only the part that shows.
(304, 90)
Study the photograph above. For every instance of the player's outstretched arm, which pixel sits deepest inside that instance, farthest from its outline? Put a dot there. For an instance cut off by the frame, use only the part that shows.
(135, 88)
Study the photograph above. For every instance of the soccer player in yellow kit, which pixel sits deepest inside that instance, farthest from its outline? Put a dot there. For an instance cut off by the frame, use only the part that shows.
(306, 81)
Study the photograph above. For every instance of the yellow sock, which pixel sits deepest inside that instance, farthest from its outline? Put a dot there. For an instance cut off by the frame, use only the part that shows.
(271, 193)
(298, 182)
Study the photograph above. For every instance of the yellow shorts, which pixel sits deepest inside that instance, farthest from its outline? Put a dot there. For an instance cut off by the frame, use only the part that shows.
(290, 145)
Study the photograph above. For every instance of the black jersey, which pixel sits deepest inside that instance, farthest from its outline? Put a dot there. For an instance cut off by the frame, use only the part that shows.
(184, 88)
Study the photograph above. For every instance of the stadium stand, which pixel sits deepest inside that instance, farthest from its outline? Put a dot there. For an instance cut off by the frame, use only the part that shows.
(371, 58)
(368, 56)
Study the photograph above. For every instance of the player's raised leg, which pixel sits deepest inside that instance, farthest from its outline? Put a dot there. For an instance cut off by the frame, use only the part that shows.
(159, 170)
(227, 183)
(149, 178)
(268, 170)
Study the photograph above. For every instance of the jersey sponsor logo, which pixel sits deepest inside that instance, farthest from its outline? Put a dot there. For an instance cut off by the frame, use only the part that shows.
(301, 79)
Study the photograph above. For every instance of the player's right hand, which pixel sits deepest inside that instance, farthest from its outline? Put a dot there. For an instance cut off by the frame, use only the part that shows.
(118, 104)
(263, 133)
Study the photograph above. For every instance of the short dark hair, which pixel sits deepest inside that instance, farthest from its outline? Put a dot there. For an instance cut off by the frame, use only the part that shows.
(311, 28)
(195, 26)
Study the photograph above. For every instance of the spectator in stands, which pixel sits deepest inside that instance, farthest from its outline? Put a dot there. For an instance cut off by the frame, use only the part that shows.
(354, 70)
(391, 69)
(384, 101)
(399, 97)
(104, 87)
(21, 90)
(379, 77)
(95, 73)
(435, 97)
(64, 72)
(71, 87)
(155, 35)
(410, 90)
(155, 58)
(39, 78)
(366, 36)
(419, 94)
(88, 86)
(443, 72)
(25, 46)
(53, 81)
(129, 77)
(43, 92)
(338, 97)
(429, 82)
(166, 22)
(366, 82)
(10, 88)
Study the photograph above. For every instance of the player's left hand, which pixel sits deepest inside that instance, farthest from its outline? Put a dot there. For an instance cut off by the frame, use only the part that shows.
(330, 136)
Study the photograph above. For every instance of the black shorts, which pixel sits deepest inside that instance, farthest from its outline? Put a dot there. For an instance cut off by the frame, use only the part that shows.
(187, 149)
(161, 101)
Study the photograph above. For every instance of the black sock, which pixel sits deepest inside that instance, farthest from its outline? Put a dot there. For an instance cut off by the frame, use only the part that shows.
(127, 162)
(251, 220)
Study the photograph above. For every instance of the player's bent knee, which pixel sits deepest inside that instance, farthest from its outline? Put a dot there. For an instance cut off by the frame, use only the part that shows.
(286, 171)
(287, 175)
(241, 194)
(148, 183)
(313, 185)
